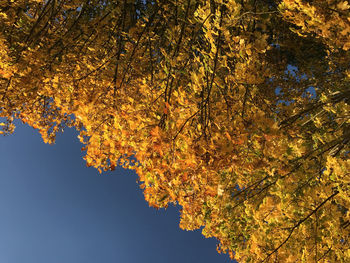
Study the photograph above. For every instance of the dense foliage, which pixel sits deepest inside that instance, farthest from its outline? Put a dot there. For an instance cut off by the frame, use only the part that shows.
(237, 110)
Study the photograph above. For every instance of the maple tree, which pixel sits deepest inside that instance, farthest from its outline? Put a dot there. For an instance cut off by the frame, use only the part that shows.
(237, 110)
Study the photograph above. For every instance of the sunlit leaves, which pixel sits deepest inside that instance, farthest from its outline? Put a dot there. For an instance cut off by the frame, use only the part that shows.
(238, 111)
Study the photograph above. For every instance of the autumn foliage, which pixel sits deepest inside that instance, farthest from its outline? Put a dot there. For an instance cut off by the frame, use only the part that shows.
(237, 110)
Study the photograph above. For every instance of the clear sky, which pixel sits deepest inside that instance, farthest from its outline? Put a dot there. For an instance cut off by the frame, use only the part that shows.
(53, 209)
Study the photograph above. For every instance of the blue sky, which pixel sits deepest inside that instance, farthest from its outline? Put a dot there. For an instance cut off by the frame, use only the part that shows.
(55, 209)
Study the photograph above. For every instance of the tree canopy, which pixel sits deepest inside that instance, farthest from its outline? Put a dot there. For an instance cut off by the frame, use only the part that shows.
(237, 110)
